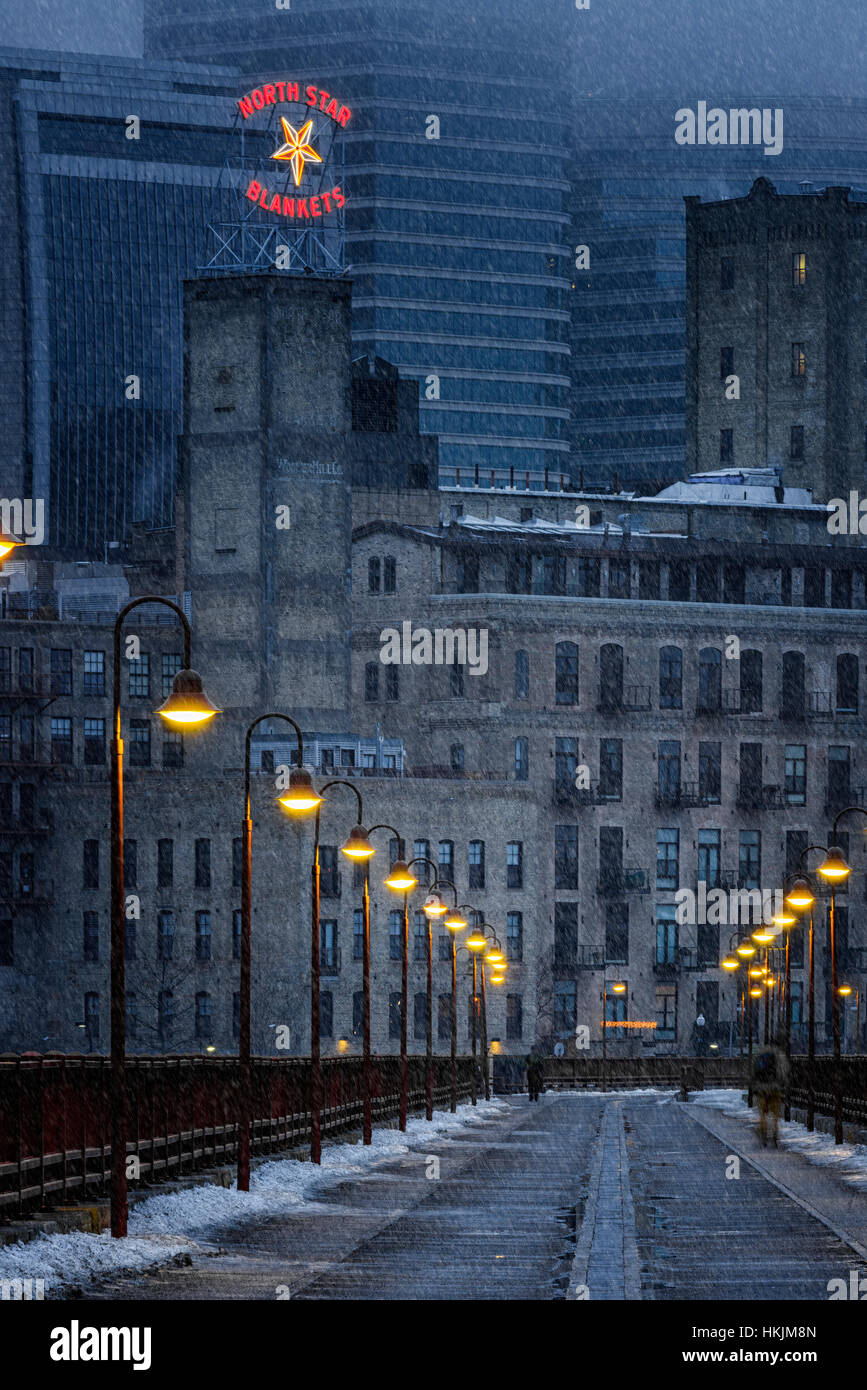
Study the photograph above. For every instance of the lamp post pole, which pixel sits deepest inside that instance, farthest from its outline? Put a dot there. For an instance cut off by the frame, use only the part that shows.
(119, 1200)
(434, 887)
(315, 978)
(245, 1054)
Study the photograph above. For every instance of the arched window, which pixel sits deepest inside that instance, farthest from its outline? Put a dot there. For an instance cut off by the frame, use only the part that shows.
(793, 688)
(751, 682)
(670, 678)
(611, 676)
(709, 678)
(373, 574)
(567, 673)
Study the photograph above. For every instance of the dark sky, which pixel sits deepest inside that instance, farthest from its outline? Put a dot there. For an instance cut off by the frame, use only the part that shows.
(810, 47)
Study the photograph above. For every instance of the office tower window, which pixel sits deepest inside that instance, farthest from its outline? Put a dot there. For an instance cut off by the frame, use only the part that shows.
(799, 359)
(94, 673)
(522, 675)
(140, 677)
(799, 268)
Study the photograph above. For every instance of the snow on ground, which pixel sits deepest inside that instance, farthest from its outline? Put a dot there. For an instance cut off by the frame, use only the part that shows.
(849, 1161)
(162, 1227)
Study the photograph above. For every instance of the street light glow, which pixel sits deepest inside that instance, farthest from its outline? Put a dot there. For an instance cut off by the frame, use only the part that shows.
(301, 795)
(188, 703)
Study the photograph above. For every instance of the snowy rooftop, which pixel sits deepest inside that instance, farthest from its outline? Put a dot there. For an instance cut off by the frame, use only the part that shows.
(757, 487)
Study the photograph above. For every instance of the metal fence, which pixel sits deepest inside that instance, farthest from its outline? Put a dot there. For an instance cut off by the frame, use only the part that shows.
(55, 1118)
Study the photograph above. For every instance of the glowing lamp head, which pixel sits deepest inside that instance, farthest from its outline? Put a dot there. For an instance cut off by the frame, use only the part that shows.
(764, 938)
(799, 896)
(7, 545)
(358, 846)
(477, 941)
(301, 795)
(497, 979)
(401, 878)
(453, 920)
(834, 867)
(756, 972)
(844, 990)
(496, 957)
(619, 988)
(784, 919)
(746, 949)
(730, 963)
(188, 703)
(434, 906)
(755, 993)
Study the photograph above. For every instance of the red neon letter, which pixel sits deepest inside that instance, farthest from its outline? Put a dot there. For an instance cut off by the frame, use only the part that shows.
(288, 207)
(293, 91)
(253, 191)
(246, 107)
(339, 198)
(270, 94)
(315, 209)
(344, 115)
(257, 103)
(311, 96)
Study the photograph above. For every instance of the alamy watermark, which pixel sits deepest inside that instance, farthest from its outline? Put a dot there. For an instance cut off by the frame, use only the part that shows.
(23, 519)
(737, 126)
(419, 646)
(727, 907)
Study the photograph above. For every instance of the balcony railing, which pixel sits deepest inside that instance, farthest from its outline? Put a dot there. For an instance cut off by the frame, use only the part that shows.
(628, 879)
(567, 794)
(762, 799)
(693, 794)
(591, 958)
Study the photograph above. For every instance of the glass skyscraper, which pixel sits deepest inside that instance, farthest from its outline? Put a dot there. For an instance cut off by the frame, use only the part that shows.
(457, 214)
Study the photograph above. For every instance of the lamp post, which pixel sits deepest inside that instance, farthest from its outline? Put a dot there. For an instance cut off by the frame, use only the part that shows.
(476, 943)
(454, 922)
(495, 958)
(359, 848)
(315, 967)
(800, 897)
(187, 705)
(433, 908)
(834, 869)
(301, 797)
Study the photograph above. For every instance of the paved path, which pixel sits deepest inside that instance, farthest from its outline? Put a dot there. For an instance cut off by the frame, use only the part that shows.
(610, 1198)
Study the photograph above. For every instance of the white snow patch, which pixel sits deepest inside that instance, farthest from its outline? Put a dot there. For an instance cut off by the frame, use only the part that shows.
(162, 1227)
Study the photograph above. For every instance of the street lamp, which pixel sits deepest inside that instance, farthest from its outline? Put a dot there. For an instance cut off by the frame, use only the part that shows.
(454, 922)
(401, 879)
(187, 704)
(7, 545)
(835, 870)
(299, 797)
(802, 898)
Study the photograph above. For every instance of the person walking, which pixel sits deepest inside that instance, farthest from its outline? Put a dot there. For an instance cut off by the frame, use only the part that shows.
(533, 1078)
(770, 1073)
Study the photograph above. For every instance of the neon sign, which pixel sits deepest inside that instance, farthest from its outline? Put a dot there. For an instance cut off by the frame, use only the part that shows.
(297, 149)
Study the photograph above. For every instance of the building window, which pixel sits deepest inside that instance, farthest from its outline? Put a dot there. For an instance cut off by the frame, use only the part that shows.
(94, 673)
(139, 743)
(751, 682)
(203, 864)
(671, 678)
(394, 1013)
(847, 683)
(373, 575)
(522, 760)
(61, 741)
(91, 1017)
(616, 934)
(140, 677)
(165, 863)
(94, 742)
(726, 362)
(173, 748)
(514, 1016)
(26, 739)
(841, 588)
(522, 675)
(796, 442)
(392, 683)
(514, 936)
(796, 774)
(329, 958)
(131, 1014)
(615, 1006)
(799, 359)
(237, 929)
(166, 1013)
(130, 863)
(171, 664)
(666, 933)
(91, 937)
(709, 773)
(445, 1014)
(419, 936)
(326, 1014)
(446, 860)
(566, 663)
(237, 861)
(476, 858)
(726, 445)
(395, 935)
(668, 772)
(839, 778)
(421, 851)
(708, 857)
(709, 680)
(389, 575)
(749, 858)
(90, 867)
(445, 947)
(371, 682)
(565, 1007)
(203, 936)
(566, 857)
(799, 267)
(203, 1015)
(165, 934)
(456, 755)
(565, 937)
(456, 679)
(61, 671)
(515, 864)
(666, 1013)
(419, 1017)
(726, 275)
(667, 857)
(611, 769)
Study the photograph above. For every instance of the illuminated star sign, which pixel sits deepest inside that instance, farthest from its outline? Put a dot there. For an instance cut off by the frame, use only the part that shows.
(296, 148)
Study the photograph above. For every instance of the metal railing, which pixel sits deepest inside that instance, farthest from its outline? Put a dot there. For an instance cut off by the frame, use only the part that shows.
(55, 1117)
